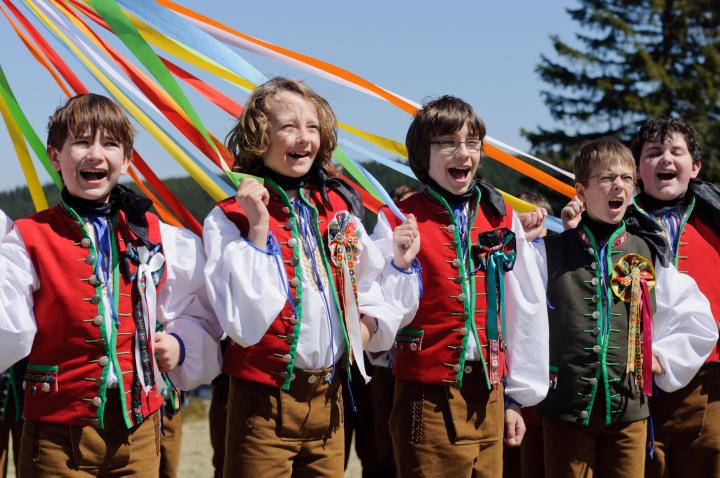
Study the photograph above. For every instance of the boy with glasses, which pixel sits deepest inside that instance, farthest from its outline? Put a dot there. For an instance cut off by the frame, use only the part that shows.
(478, 336)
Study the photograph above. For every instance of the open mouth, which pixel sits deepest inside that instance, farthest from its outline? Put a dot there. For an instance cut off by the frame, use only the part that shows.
(666, 176)
(459, 174)
(615, 204)
(298, 155)
(93, 174)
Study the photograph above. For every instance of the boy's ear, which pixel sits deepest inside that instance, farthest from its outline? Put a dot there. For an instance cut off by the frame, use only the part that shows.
(125, 165)
(53, 157)
(695, 170)
(580, 190)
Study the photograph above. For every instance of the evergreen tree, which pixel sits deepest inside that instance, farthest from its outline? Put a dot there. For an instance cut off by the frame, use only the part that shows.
(634, 60)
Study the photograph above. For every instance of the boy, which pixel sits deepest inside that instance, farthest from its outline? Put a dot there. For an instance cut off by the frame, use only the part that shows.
(481, 324)
(687, 421)
(620, 317)
(82, 287)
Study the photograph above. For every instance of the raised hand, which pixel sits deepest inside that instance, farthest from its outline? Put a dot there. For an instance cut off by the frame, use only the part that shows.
(571, 213)
(406, 243)
(253, 198)
(533, 223)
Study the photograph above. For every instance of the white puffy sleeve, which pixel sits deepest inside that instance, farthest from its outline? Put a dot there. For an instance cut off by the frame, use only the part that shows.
(184, 311)
(684, 330)
(527, 333)
(399, 289)
(18, 282)
(245, 284)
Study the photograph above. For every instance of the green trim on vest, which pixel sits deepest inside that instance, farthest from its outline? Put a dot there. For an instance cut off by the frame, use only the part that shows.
(471, 295)
(290, 367)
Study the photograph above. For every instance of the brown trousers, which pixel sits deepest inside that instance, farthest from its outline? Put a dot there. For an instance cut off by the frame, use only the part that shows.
(51, 450)
(440, 431)
(170, 443)
(9, 427)
(687, 429)
(218, 420)
(574, 450)
(297, 433)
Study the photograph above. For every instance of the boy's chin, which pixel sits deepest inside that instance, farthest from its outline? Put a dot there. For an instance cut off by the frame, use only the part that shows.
(607, 217)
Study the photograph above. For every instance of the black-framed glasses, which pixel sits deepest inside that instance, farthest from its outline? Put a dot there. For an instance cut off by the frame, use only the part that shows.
(449, 146)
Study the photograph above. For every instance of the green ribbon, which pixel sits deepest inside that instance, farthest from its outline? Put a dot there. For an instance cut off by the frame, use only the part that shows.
(27, 130)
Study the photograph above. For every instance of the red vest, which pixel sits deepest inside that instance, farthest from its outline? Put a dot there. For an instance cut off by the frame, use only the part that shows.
(431, 349)
(272, 360)
(65, 381)
(699, 254)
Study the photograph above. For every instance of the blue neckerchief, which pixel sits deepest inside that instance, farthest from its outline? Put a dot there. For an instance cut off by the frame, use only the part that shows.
(602, 258)
(462, 221)
(103, 268)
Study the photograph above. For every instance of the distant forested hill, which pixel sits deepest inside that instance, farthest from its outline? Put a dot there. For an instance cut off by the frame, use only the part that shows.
(16, 203)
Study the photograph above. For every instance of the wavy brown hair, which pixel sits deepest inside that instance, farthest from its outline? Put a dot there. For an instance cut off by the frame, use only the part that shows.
(90, 113)
(249, 139)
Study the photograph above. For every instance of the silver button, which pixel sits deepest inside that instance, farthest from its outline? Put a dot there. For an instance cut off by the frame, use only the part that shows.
(451, 228)
(593, 265)
(97, 320)
(458, 280)
(90, 260)
(595, 299)
(294, 282)
(284, 374)
(292, 376)
(461, 298)
(45, 387)
(463, 331)
(455, 263)
(587, 397)
(102, 361)
(312, 379)
(453, 245)
(93, 280)
(290, 339)
(591, 251)
(592, 381)
(594, 281)
(596, 349)
(294, 261)
(292, 242)
(97, 401)
(95, 299)
(468, 369)
(456, 367)
(596, 331)
(289, 225)
(286, 210)
(287, 358)
(413, 346)
(596, 315)
(85, 242)
(583, 414)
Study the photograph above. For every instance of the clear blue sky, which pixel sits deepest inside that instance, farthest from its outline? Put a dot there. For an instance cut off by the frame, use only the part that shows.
(483, 51)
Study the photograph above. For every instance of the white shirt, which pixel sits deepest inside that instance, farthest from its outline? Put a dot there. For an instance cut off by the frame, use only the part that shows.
(181, 304)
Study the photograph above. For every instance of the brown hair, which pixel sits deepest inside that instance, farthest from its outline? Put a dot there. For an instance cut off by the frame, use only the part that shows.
(605, 151)
(443, 115)
(536, 199)
(90, 113)
(249, 139)
(660, 130)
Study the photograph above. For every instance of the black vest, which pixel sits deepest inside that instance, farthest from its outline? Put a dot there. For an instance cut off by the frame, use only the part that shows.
(582, 363)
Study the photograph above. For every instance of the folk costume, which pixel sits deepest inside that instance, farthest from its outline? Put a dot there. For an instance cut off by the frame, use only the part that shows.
(83, 286)
(11, 416)
(687, 421)
(480, 328)
(614, 302)
(291, 311)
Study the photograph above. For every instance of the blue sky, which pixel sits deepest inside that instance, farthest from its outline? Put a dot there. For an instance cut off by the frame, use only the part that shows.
(482, 51)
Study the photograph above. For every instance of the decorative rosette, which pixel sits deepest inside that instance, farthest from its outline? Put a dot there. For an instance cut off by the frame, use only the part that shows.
(344, 245)
(631, 280)
(496, 255)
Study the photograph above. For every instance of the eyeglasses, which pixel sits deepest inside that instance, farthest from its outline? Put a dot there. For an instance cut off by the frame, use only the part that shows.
(449, 146)
(609, 179)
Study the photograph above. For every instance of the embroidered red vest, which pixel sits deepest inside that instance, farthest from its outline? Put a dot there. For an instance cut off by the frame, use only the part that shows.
(431, 349)
(272, 360)
(699, 252)
(65, 381)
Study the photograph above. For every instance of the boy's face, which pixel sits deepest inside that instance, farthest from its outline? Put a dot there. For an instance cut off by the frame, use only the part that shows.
(453, 163)
(666, 168)
(294, 135)
(608, 192)
(90, 167)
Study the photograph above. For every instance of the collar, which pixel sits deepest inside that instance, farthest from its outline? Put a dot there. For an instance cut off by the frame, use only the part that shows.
(286, 183)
